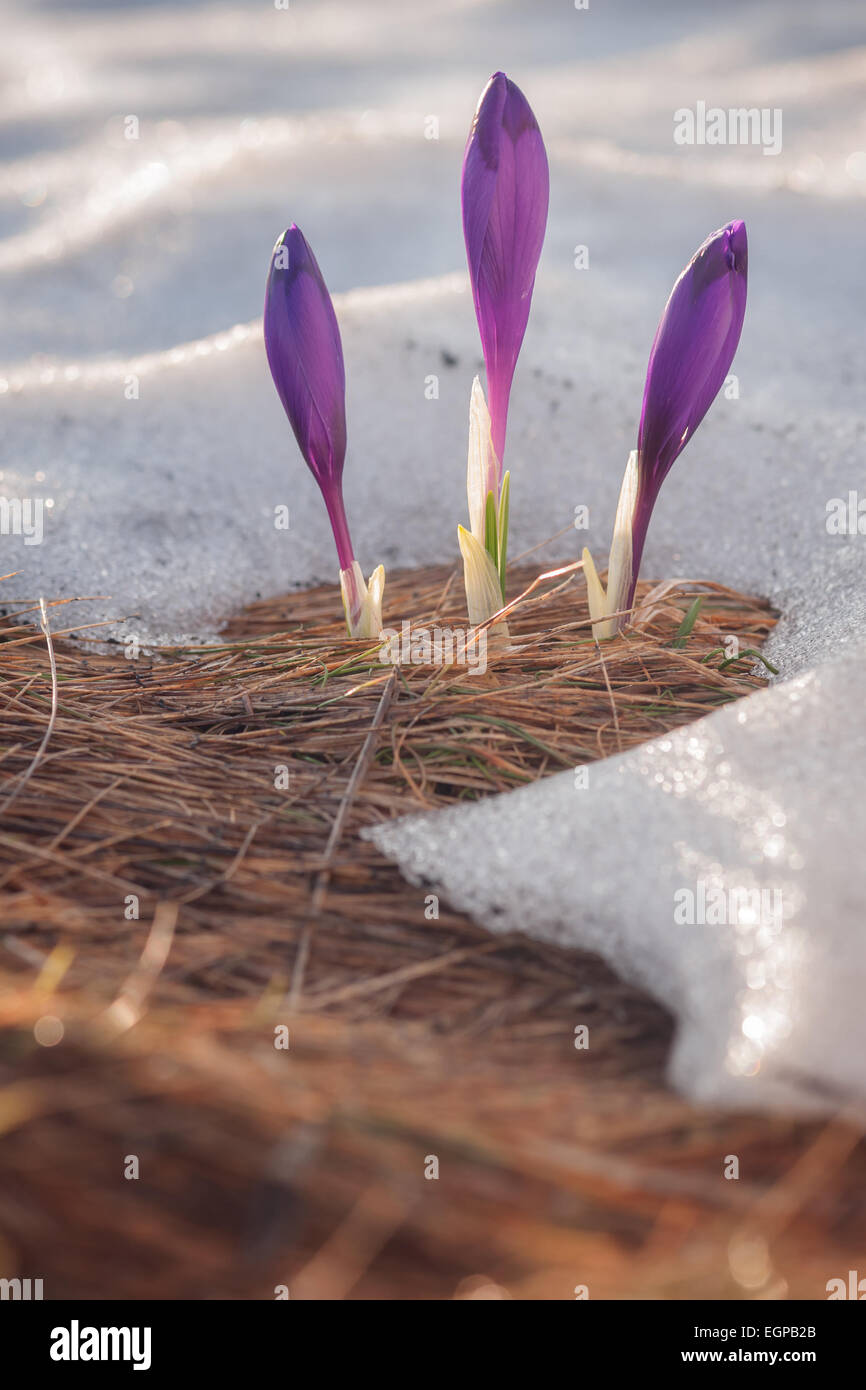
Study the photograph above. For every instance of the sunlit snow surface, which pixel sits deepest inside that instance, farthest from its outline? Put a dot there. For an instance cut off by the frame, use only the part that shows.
(135, 397)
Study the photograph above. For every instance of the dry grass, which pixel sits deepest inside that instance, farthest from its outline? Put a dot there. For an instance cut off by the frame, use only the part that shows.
(260, 906)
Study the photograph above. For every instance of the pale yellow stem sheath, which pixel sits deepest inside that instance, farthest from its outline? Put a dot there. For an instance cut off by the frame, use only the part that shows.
(362, 602)
(619, 573)
(482, 466)
(481, 577)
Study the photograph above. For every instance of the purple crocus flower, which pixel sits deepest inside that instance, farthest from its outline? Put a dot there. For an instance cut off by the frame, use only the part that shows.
(505, 190)
(690, 358)
(305, 355)
(692, 352)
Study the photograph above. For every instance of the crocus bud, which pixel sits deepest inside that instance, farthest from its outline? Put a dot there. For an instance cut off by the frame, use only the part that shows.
(505, 190)
(691, 355)
(305, 355)
(690, 358)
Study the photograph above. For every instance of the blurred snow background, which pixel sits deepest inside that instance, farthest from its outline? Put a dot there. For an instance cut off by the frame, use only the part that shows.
(135, 396)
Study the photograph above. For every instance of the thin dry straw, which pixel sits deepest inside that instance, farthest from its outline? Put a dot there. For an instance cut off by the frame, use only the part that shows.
(324, 874)
(158, 778)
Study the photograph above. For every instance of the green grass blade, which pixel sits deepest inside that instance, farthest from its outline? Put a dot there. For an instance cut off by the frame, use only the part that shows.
(491, 539)
(504, 500)
(688, 623)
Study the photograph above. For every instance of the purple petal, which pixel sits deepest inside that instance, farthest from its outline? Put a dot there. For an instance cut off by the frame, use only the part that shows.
(505, 190)
(692, 353)
(305, 355)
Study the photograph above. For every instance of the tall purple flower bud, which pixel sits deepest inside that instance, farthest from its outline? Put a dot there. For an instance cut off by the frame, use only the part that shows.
(305, 355)
(505, 191)
(690, 358)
